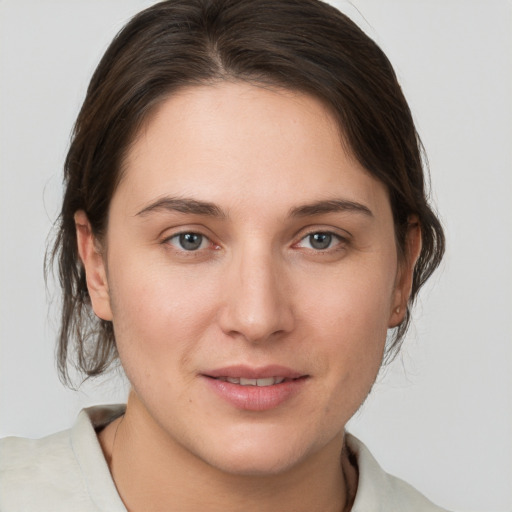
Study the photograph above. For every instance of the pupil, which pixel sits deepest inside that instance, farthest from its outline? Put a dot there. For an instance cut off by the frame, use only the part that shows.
(191, 241)
(320, 240)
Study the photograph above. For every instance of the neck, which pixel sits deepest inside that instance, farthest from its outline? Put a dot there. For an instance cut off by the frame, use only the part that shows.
(152, 472)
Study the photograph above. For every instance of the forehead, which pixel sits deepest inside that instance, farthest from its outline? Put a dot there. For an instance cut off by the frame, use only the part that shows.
(234, 142)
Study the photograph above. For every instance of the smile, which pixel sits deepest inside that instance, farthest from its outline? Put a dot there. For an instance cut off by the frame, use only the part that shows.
(268, 381)
(260, 389)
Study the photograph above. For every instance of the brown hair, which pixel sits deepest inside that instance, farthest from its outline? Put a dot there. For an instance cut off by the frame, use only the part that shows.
(303, 45)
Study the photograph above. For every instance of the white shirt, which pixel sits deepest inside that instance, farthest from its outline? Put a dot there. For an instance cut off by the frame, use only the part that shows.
(67, 472)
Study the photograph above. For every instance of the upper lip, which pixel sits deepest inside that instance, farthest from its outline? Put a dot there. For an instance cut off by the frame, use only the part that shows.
(249, 372)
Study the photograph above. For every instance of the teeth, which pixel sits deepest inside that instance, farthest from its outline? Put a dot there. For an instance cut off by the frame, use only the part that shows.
(269, 381)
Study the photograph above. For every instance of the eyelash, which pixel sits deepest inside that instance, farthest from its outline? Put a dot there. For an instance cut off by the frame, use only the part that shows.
(331, 237)
(180, 237)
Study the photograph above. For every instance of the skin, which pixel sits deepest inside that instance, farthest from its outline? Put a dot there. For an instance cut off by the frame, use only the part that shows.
(256, 292)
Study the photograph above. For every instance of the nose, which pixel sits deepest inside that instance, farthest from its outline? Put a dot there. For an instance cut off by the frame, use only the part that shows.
(257, 303)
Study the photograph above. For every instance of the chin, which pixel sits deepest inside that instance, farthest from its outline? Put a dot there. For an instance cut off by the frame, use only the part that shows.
(260, 453)
(254, 463)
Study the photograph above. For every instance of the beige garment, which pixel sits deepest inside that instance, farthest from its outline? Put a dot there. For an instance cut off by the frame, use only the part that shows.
(66, 472)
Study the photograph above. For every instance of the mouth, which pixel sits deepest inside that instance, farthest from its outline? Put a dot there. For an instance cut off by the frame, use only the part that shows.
(263, 376)
(263, 382)
(256, 389)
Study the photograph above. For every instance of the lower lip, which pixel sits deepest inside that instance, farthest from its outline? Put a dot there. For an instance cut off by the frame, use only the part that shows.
(256, 398)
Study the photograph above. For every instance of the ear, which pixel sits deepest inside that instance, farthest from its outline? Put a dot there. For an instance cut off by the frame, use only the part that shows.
(94, 264)
(403, 284)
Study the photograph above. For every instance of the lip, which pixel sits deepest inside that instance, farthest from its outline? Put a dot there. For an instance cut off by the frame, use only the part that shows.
(249, 372)
(255, 398)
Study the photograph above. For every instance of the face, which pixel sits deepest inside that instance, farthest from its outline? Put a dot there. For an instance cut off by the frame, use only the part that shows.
(251, 274)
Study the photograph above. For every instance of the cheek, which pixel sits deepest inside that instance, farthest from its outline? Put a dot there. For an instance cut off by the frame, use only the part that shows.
(349, 316)
(355, 301)
(159, 317)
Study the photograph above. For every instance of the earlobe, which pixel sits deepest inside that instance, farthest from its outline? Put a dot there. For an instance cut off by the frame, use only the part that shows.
(405, 274)
(94, 264)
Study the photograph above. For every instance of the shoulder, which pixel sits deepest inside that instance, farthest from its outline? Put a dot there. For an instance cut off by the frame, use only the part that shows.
(38, 471)
(62, 472)
(381, 492)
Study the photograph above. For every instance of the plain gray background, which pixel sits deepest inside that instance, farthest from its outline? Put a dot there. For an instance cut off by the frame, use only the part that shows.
(441, 415)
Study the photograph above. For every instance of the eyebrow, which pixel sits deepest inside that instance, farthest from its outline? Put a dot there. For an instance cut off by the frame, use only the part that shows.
(330, 206)
(183, 205)
(196, 207)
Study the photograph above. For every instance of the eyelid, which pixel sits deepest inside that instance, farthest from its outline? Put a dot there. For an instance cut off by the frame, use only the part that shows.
(177, 236)
(342, 234)
(330, 233)
(172, 233)
(180, 229)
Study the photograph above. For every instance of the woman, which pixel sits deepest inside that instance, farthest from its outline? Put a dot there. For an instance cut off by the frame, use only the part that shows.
(244, 220)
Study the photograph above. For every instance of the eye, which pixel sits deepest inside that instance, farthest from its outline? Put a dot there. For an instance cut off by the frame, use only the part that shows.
(189, 241)
(320, 241)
